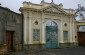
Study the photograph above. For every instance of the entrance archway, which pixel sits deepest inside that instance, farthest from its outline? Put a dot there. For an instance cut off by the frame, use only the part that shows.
(51, 35)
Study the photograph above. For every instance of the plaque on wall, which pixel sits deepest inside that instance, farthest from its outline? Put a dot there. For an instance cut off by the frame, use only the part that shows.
(81, 29)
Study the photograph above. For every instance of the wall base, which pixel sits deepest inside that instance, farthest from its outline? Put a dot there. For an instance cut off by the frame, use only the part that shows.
(17, 47)
(43, 46)
(34, 46)
(3, 49)
(67, 44)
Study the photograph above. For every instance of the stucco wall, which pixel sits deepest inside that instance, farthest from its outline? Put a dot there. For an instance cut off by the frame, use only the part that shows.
(10, 21)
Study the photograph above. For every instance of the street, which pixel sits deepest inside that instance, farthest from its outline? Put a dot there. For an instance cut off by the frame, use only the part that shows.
(64, 51)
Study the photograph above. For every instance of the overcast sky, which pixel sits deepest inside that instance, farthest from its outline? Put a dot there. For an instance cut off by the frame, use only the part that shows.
(16, 4)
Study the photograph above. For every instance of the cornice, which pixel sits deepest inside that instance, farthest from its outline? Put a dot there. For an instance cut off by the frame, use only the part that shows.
(43, 11)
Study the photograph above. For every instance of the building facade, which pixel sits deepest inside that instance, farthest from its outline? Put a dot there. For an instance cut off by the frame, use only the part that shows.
(80, 33)
(80, 25)
(47, 25)
(10, 30)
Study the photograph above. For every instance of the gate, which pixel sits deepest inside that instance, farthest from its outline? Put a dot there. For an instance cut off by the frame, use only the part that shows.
(51, 36)
(81, 38)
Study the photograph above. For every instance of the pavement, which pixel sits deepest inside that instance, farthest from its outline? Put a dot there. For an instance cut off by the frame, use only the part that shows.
(63, 51)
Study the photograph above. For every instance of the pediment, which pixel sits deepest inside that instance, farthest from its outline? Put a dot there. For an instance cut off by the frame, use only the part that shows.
(54, 8)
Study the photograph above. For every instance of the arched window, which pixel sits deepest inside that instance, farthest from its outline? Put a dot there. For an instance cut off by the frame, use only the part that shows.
(51, 23)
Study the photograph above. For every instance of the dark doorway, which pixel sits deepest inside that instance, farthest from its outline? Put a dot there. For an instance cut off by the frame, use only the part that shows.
(81, 38)
(9, 40)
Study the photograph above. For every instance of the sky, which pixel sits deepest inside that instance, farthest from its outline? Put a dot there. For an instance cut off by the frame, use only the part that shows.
(14, 5)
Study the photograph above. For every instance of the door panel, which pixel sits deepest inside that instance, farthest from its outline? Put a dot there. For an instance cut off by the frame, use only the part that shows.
(9, 40)
(51, 37)
(81, 38)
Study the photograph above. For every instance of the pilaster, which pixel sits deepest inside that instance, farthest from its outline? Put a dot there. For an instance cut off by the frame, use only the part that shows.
(61, 39)
(24, 29)
(30, 30)
(71, 30)
(43, 31)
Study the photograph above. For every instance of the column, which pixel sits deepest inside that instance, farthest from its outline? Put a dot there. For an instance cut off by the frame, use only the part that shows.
(30, 30)
(61, 31)
(43, 31)
(71, 29)
(24, 26)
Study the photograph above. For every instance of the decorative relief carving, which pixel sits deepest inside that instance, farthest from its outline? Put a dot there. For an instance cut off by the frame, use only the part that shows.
(52, 9)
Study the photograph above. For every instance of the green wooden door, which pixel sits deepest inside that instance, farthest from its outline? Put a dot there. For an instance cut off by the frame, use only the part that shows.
(51, 37)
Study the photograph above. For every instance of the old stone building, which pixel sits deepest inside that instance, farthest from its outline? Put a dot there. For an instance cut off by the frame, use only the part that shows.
(47, 25)
(10, 30)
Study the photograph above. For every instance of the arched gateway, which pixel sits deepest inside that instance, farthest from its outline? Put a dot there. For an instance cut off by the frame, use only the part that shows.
(51, 35)
(42, 22)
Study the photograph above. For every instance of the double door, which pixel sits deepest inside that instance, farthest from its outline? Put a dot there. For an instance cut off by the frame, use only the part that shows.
(51, 37)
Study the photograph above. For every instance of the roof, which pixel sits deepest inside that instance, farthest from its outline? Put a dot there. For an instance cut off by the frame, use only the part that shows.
(7, 9)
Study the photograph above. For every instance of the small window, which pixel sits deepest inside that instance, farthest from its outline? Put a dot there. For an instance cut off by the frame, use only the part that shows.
(65, 35)
(36, 22)
(65, 24)
(36, 34)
